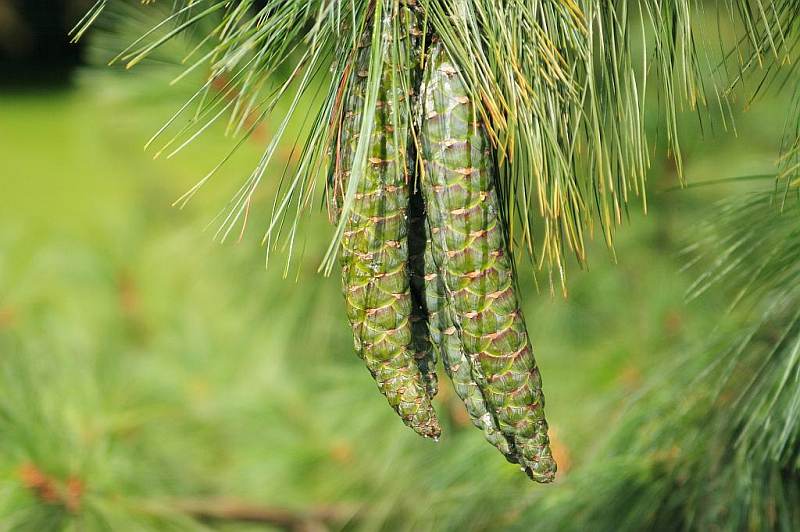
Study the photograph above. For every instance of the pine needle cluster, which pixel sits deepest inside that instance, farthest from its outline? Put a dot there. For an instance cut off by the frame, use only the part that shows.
(561, 86)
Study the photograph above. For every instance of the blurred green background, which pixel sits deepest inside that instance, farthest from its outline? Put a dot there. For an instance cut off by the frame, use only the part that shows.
(151, 378)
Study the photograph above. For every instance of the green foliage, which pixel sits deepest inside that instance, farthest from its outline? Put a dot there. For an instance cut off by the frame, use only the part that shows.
(714, 442)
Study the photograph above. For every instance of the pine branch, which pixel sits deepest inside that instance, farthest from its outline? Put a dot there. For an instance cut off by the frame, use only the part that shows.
(714, 441)
(562, 88)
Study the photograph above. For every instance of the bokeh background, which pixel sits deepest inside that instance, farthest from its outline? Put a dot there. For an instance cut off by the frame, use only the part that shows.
(153, 378)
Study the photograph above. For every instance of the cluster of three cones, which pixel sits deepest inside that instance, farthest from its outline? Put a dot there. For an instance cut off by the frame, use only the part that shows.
(425, 269)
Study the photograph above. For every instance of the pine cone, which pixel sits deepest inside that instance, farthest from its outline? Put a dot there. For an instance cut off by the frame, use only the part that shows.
(374, 257)
(468, 246)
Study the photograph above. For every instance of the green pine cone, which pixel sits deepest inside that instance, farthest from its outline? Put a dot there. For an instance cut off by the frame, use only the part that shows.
(468, 246)
(445, 338)
(374, 255)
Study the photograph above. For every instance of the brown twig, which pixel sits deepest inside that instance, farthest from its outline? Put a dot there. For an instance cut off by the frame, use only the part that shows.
(316, 519)
(69, 493)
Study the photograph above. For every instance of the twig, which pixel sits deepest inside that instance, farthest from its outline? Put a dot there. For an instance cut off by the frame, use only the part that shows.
(319, 518)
